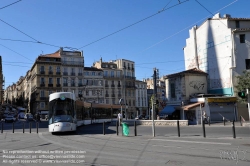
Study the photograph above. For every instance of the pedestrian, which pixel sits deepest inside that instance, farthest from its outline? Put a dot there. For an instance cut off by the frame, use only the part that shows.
(119, 117)
(205, 116)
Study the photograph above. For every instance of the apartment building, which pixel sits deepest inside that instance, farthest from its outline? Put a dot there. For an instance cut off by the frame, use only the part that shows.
(72, 70)
(220, 47)
(92, 87)
(119, 82)
(141, 98)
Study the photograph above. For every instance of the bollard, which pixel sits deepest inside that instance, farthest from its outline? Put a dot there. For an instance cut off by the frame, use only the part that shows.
(178, 128)
(2, 128)
(23, 127)
(117, 128)
(233, 128)
(224, 121)
(135, 128)
(203, 127)
(37, 124)
(13, 127)
(30, 127)
(103, 128)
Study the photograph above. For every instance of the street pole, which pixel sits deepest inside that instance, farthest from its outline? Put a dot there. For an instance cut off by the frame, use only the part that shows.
(153, 103)
(248, 103)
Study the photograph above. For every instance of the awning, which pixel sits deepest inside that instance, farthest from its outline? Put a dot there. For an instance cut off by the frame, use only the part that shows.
(191, 105)
(168, 110)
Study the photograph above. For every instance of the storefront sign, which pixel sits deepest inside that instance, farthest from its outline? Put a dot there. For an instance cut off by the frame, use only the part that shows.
(222, 100)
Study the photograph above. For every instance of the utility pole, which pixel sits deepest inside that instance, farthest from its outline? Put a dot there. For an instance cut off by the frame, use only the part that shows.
(154, 102)
(248, 102)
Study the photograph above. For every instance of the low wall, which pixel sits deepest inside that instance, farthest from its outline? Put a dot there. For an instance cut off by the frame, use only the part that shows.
(157, 122)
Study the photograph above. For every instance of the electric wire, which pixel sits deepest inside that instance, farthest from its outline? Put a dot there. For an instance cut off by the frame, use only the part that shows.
(159, 42)
(160, 11)
(10, 4)
(19, 30)
(16, 52)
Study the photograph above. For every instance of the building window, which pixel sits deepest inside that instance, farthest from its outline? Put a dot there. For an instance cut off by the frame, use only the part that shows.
(93, 73)
(58, 69)
(42, 81)
(106, 73)
(42, 93)
(50, 68)
(172, 90)
(237, 24)
(118, 73)
(247, 64)
(87, 92)
(242, 38)
(107, 101)
(42, 68)
(58, 80)
(112, 73)
(50, 81)
(42, 105)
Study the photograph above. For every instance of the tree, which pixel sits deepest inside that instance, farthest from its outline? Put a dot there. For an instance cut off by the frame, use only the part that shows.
(243, 84)
(156, 103)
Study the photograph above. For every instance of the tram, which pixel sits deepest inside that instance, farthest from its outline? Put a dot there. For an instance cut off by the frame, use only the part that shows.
(62, 112)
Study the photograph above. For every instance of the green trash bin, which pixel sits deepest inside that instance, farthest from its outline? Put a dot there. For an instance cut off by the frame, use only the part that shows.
(125, 129)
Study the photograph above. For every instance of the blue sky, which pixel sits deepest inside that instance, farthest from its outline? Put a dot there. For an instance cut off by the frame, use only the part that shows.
(154, 42)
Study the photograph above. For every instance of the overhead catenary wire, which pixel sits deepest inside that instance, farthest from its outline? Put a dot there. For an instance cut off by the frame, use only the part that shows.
(160, 11)
(159, 42)
(16, 52)
(10, 4)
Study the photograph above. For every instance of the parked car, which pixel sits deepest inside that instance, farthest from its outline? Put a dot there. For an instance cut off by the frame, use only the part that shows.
(28, 116)
(21, 115)
(141, 117)
(10, 118)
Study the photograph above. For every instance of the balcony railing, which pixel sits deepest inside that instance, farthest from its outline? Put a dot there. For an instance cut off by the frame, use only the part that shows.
(42, 72)
(42, 85)
(50, 85)
(106, 85)
(73, 84)
(58, 73)
(113, 85)
(79, 74)
(58, 85)
(106, 95)
(42, 98)
(80, 85)
(73, 74)
(50, 72)
(113, 95)
(118, 86)
(119, 95)
(65, 73)
(65, 84)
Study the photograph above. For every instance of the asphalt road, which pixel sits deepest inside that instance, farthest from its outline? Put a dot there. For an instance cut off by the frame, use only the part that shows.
(88, 146)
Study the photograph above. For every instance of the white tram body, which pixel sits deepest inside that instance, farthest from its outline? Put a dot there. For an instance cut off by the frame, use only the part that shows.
(62, 112)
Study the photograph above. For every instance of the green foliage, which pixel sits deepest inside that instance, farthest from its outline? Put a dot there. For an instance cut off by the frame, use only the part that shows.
(243, 84)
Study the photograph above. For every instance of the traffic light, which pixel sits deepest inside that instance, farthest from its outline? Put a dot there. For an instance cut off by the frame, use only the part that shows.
(242, 94)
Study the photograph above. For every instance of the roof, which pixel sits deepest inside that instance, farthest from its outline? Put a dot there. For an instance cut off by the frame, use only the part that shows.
(191, 105)
(190, 71)
(53, 55)
(92, 69)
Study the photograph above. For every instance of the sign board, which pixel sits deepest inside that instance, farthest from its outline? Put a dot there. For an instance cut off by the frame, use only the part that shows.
(222, 100)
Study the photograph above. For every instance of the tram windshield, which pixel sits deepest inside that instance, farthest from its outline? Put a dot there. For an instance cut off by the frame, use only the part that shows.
(61, 110)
